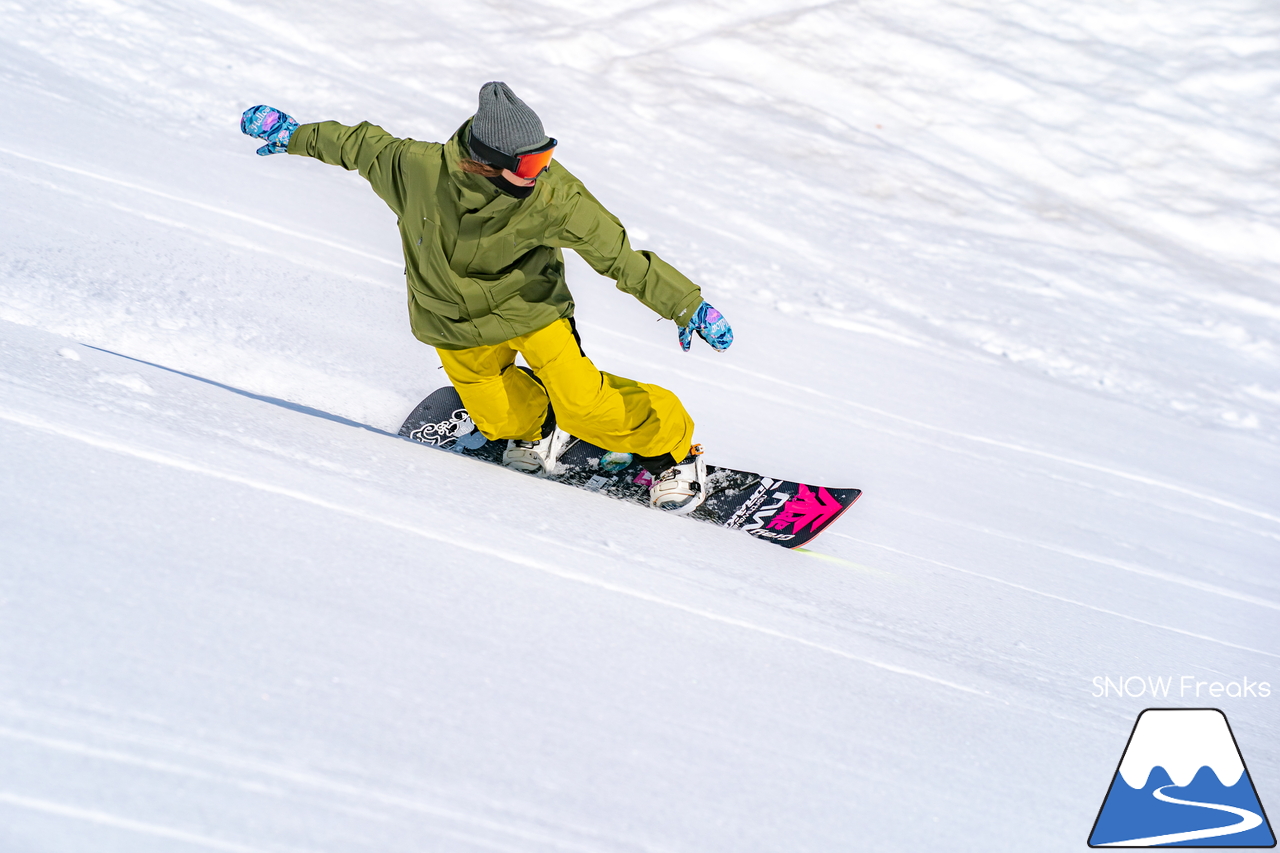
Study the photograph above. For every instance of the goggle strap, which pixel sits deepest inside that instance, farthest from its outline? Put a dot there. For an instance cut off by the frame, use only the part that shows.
(494, 156)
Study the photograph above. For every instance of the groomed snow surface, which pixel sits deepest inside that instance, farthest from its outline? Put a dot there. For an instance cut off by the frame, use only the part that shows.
(1011, 268)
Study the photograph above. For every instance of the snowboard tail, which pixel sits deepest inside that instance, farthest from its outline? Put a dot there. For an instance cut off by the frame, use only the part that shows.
(784, 512)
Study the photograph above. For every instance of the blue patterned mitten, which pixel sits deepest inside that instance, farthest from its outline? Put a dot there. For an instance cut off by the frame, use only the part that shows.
(710, 325)
(271, 125)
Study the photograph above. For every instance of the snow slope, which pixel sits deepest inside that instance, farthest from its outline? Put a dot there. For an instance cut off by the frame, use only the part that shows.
(1010, 268)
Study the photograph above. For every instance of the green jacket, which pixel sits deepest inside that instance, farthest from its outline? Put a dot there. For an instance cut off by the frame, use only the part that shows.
(484, 267)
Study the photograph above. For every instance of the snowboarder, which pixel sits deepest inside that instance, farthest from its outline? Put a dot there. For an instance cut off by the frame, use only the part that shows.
(483, 218)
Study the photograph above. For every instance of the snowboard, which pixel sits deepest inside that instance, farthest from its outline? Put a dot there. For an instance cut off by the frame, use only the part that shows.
(784, 512)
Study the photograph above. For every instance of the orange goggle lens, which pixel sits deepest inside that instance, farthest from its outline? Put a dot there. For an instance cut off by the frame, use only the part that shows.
(534, 163)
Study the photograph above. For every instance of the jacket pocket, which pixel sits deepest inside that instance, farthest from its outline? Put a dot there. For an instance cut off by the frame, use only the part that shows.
(582, 223)
(426, 235)
(438, 306)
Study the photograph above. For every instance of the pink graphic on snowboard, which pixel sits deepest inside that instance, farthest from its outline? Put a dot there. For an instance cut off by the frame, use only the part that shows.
(807, 509)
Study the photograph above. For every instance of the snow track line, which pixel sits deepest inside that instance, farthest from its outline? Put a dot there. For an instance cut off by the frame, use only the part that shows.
(116, 822)
(1137, 569)
(222, 211)
(508, 556)
(303, 780)
(949, 447)
(1034, 591)
(209, 234)
(992, 442)
(298, 408)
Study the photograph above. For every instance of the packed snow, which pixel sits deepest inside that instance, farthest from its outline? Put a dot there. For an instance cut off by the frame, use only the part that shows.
(1011, 268)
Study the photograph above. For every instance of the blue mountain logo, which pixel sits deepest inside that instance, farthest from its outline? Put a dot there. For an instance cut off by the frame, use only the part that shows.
(1182, 783)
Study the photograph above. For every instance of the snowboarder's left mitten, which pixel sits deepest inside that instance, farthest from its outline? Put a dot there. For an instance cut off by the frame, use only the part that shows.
(710, 325)
(271, 125)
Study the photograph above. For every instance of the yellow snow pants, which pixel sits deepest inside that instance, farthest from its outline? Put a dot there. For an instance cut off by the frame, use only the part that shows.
(610, 412)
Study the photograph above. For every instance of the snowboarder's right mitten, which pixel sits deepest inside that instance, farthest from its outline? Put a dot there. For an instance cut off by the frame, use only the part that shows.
(710, 325)
(271, 125)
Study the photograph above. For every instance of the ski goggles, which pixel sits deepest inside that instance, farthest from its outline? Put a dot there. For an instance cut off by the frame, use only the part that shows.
(527, 164)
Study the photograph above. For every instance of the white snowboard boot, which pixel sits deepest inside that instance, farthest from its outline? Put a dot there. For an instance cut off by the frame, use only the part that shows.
(536, 457)
(683, 487)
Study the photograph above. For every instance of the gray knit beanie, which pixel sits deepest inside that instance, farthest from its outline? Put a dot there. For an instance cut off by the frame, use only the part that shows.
(504, 122)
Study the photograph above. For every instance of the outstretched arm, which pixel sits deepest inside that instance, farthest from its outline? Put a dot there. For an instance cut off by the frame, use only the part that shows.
(598, 236)
(365, 147)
